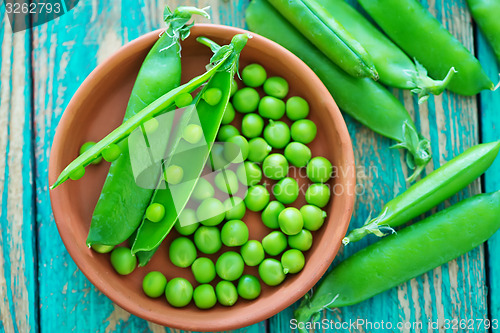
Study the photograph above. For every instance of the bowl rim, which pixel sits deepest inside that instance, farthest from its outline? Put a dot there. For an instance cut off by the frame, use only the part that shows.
(121, 299)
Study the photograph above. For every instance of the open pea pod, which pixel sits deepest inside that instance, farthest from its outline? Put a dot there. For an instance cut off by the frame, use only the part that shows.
(123, 200)
(191, 158)
(159, 105)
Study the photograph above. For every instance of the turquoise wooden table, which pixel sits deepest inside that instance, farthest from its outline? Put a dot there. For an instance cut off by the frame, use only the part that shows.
(41, 289)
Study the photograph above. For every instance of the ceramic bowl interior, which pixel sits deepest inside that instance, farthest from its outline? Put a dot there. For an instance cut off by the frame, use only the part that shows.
(98, 107)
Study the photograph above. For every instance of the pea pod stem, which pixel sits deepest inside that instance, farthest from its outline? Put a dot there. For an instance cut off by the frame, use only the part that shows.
(409, 25)
(411, 252)
(328, 35)
(363, 99)
(153, 109)
(429, 191)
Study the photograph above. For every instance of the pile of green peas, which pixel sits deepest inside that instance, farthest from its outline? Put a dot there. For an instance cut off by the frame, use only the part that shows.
(268, 146)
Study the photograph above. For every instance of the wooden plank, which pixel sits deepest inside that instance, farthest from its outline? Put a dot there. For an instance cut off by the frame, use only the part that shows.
(18, 252)
(455, 290)
(490, 123)
(65, 52)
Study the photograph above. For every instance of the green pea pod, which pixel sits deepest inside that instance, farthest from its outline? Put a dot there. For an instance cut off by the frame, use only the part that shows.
(191, 160)
(328, 35)
(421, 35)
(411, 252)
(362, 98)
(122, 201)
(394, 67)
(486, 13)
(430, 191)
(159, 105)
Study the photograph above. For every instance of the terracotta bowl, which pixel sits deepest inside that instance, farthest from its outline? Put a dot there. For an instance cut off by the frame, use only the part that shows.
(98, 107)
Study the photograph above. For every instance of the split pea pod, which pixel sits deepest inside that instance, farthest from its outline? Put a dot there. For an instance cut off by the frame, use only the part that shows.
(123, 131)
(411, 252)
(328, 35)
(486, 13)
(421, 35)
(122, 201)
(438, 186)
(362, 98)
(394, 67)
(191, 159)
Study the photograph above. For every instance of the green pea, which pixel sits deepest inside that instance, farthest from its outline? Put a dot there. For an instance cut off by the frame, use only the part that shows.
(234, 146)
(252, 253)
(258, 149)
(318, 195)
(192, 133)
(123, 261)
(277, 134)
(292, 261)
(204, 296)
(313, 217)
(286, 190)
(234, 87)
(78, 173)
(254, 75)
(257, 198)
(235, 208)
(183, 100)
(271, 272)
(298, 154)
(210, 212)
(297, 108)
(189, 222)
(229, 266)
(226, 292)
(151, 125)
(212, 96)
(154, 284)
(229, 114)
(173, 174)
(226, 132)
(155, 212)
(275, 166)
(271, 107)
(203, 190)
(249, 287)
(249, 174)
(234, 233)
(111, 153)
(179, 292)
(182, 252)
(226, 181)
(100, 248)
(270, 214)
(207, 239)
(290, 221)
(301, 241)
(86, 146)
(303, 131)
(274, 243)
(319, 170)
(246, 100)
(217, 160)
(252, 125)
(276, 86)
(203, 270)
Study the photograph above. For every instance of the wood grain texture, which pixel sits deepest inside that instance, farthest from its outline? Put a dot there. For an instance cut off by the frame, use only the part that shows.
(18, 284)
(65, 52)
(490, 125)
(455, 290)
